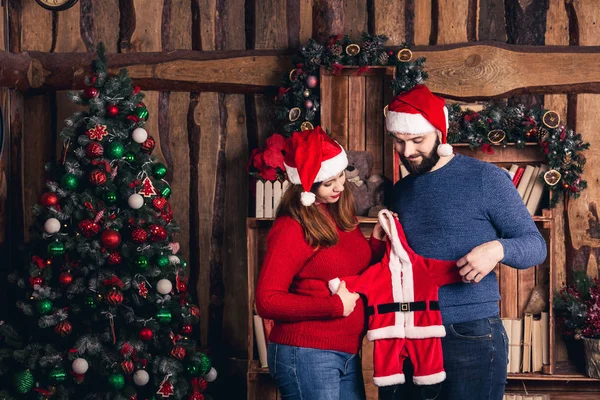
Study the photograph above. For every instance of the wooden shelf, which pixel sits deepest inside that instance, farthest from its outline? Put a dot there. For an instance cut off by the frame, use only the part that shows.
(255, 368)
(564, 372)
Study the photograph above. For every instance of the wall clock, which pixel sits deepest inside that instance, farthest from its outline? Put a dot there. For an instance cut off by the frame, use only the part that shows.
(56, 5)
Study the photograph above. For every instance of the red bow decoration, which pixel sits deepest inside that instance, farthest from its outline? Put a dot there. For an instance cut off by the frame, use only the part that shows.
(135, 183)
(486, 148)
(363, 70)
(334, 39)
(102, 162)
(337, 68)
(39, 261)
(114, 281)
(174, 337)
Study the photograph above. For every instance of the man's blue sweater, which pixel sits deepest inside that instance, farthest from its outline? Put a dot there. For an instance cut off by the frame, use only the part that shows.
(448, 212)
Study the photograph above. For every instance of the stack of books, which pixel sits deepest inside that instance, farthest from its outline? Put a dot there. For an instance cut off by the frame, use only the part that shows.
(511, 396)
(529, 181)
(262, 329)
(528, 343)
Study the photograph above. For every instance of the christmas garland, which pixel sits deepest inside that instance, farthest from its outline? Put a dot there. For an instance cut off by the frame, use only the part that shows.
(297, 107)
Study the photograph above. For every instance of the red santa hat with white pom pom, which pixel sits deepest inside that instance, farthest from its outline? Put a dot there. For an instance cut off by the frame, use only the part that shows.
(417, 112)
(311, 156)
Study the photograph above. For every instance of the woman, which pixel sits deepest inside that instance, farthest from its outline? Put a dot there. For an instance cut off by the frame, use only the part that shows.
(313, 347)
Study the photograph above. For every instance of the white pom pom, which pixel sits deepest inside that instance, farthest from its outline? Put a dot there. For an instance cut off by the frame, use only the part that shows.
(307, 198)
(174, 260)
(135, 201)
(164, 286)
(80, 366)
(211, 376)
(141, 377)
(444, 150)
(52, 225)
(139, 135)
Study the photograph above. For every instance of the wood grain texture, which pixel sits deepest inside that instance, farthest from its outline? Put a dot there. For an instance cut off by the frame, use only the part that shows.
(356, 112)
(205, 16)
(374, 131)
(422, 22)
(452, 21)
(3, 25)
(355, 18)
(270, 24)
(36, 28)
(389, 20)
(105, 16)
(492, 21)
(328, 19)
(508, 281)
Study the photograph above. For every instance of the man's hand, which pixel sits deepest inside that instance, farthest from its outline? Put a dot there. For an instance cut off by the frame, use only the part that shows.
(480, 261)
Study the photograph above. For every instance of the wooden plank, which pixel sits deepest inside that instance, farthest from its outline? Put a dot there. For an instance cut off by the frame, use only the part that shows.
(355, 18)
(389, 20)
(306, 21)
(371, 390)
(326, 86)
(205, 28)
(508, 154)
(422, 22)
(3, 24)
(508, 307)
(177, 26)
(492, 23)
(356, 113)
(36, 28)
(270, 24)
(4, 165)
(105, 17)
(525, 283)
(339, 110)
(452, 21)
(374, 121)
(328, 19)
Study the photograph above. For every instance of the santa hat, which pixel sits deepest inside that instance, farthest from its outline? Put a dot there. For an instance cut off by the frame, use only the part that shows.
(312, 156)
(417, 112)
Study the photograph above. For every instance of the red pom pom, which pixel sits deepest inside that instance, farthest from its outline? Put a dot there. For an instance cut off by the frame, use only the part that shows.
(112, 110)
(63, 328)
(65, 279)
(114, 297)
(49, 199)
(127, 366)
(195, 311)
(146, 334)
(158, 233)
(94, 150)
(89, 228)
(148, 145)
(139, 235)
(110, 239)
(186, 329)
(90, 92)
(97, 177)
(115, 258)
(36, 280)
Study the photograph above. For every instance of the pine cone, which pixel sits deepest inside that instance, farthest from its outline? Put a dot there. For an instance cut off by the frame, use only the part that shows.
(509, 123)
(383, 58)
(335, 50)
(369, 48)
(316, 61)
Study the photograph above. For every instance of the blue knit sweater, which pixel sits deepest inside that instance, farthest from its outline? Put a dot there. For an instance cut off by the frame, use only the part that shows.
(448, 212)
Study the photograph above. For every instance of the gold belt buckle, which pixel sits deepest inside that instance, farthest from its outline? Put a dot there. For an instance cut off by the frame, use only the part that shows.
(404, 307)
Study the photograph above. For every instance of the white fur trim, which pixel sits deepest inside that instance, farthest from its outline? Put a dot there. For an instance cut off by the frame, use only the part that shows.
(329, 169)
(307, 198)
(387, 332)
(411, 124)
(423, 332)
(430, 379)
(444, 150)
(389, 380)
(334, 285)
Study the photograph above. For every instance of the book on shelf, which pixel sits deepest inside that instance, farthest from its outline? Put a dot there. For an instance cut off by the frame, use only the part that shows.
(524, 182)
(261, 342)
(545, 318)
(514, 331)
(535, 198)
(518, 175)
(537, 346)
(536, 171)
(514, 396)
(513, 170)
(527, 322)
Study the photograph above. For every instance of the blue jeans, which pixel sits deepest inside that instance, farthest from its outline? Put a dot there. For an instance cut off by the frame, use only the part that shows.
(475, 359)
(302, 373)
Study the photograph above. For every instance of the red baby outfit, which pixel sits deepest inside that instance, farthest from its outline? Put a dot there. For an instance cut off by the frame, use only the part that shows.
(404, 314)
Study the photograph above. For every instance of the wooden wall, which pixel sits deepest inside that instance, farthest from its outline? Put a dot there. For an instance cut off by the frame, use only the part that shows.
(205, 138)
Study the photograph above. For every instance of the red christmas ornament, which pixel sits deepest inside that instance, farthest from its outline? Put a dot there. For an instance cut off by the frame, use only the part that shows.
(146, 334)
(36, 280)
(133, 118)
(178, 352)
(312, 81)
(63, 328)
(167, 217)
(93, 79)
(157, 233)
(90, 92)
(66, 278)
(159, 203)
(195, 311)
(139, 235)
(97, 133)
(114, 297)
(148, 189)
(182, 286)
(115, 258)
(166, 388)
(94, 150)
(49, 199)
(136, 89)
(127, 367)
(148, 145)
(202, 384)
(110, 239)
(97, 177)
(186, 329)
(112, 110)
(89, 228)
(143, 290)
(196, 396)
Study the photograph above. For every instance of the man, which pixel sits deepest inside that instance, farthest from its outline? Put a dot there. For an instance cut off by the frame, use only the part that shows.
(453, 207)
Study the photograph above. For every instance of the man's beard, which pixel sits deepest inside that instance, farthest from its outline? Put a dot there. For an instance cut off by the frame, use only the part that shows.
(428, 161)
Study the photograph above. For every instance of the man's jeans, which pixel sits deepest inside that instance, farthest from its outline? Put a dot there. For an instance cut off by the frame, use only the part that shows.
(302, 373)
(475, 359)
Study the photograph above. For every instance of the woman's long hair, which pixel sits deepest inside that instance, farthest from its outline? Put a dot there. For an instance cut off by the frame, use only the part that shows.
(319, 228)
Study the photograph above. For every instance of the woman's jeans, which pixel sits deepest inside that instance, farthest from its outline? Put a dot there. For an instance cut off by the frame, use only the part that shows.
(302, 373)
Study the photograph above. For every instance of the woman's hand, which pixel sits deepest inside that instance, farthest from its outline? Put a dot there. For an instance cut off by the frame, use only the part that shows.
(348, 299)
(378, 232)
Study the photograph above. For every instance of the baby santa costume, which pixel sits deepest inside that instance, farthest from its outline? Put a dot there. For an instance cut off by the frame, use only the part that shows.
(404, 314)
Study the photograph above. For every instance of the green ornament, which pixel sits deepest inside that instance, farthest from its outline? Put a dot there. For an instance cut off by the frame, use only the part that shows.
(183, 264)
(110, 197)
(44, 307)
(23, 381)
(164, 316)
(193, 369)
(130, 156)
(162, 261)
(56, 249)
(166, 192)
(70, 181)
(58, 375)
(205, 364)
(90, 302)
(116, 381)
(141, 113)
(141, 262)
(116, 150)
(159, 170)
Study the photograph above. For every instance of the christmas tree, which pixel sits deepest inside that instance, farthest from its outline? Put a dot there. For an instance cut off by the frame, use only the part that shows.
(105, 312)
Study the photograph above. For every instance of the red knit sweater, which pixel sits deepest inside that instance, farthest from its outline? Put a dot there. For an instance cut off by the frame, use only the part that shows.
(292, 288)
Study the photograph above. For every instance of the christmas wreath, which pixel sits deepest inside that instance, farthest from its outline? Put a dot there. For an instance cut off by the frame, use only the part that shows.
(297, 107)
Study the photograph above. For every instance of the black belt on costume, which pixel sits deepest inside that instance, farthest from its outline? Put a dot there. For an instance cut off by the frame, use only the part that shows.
(403, 307)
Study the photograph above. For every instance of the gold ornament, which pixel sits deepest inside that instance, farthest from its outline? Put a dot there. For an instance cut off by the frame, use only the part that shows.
(404, 55)
(552, 177)
(551, 119)
(294, 114)
(306, 93)
(496, 136)
(352, 49)
(385, 111)
(293, 76)
(306, 126)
